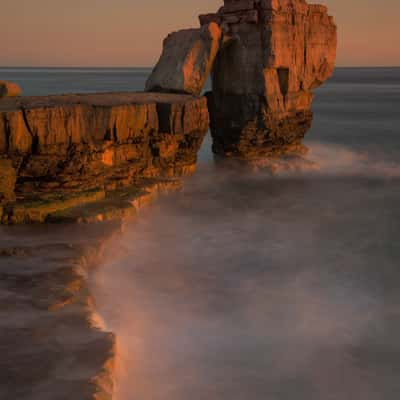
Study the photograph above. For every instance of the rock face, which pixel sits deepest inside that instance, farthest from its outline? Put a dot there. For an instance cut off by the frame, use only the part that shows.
(7, 180)
(274, 53)
(266, 57)
(186, 60)
(9, 89)
(89, 144)
(269, 57)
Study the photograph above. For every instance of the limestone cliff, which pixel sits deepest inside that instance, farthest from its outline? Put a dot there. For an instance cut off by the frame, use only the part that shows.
(84, 143)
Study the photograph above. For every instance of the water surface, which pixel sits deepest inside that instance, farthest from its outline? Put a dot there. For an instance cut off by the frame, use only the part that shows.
(246, 286)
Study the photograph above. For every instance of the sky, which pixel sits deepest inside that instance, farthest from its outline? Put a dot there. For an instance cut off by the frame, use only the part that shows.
(130, 32)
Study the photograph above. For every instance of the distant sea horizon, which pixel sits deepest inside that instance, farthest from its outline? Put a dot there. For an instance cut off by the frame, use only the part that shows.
(247, 286)
(150, 67)
(42, 81)
(6, 69)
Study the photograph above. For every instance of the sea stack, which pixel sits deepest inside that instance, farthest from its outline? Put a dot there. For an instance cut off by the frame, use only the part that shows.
(275, 53)
(272, 54)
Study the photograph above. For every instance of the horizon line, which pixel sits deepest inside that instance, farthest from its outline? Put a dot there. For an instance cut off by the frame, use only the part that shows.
(150, 67)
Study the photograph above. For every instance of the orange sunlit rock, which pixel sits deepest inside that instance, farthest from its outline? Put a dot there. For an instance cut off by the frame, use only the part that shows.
(186, 60)
(275, 52)
(9, 89)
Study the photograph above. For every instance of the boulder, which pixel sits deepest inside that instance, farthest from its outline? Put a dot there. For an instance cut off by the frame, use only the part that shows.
(9, 89)
(186, 61)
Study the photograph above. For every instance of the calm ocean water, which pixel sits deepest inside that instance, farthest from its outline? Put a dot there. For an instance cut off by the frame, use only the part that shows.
(246, 286)
(44, 81)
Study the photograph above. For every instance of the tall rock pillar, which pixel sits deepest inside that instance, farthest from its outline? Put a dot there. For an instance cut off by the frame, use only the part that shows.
(272, 54)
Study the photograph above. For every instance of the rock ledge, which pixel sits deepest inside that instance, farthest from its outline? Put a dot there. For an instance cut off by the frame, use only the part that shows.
(61, 151)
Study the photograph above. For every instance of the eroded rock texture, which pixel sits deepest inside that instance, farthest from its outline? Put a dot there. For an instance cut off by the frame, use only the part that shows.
(186, 60)
(274, 53)
(7, 180)
(94, 143)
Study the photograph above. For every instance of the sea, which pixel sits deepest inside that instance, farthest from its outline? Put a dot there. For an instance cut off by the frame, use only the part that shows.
(247, 286)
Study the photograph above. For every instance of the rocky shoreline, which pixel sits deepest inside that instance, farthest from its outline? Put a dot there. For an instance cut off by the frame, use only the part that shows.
(265, 58)
(99, 158)
(95, 159)
(53, 344)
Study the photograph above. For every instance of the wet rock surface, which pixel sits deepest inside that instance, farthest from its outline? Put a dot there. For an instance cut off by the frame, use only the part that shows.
(74, 149)
(52, 347)
(52, 342)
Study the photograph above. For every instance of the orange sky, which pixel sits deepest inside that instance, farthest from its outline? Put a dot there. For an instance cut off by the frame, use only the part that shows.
(129, 32)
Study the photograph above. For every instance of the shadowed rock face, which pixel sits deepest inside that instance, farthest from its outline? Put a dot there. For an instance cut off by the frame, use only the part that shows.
(186, 60)
(84, 143)
(274, 53)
